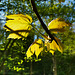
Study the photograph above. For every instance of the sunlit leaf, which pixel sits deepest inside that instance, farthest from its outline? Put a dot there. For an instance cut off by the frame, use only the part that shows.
(58, 25)
(18, 24)
(20, 17)
(51, 47)
(36, 47)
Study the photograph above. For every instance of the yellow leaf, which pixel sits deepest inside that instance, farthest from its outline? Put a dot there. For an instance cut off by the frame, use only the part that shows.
(58, 25)
(36, 46)
(61, 47)
(20, 17)
(51, 47)
(18, 23)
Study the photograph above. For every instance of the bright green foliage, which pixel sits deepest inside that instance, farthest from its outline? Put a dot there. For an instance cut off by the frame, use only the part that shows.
(18, 69)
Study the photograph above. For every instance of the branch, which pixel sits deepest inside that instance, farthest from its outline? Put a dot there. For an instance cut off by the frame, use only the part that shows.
(41, 33)
(42, 23)
(5, 48)
(16, 32)
(6, 53)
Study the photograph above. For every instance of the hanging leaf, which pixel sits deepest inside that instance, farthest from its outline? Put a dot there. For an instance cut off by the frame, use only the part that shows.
(36, 47)
(51, 47)
(18, 24)
(61, 1)
(58, 25)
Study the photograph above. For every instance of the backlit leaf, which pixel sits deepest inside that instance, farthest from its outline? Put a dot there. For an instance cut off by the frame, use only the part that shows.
(51, 47)
(18, 24)
(36, 47)
(58, 25)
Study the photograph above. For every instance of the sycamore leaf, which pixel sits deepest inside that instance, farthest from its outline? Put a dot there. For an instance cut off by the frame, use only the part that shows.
(58, 25)
(61, 1)
(36, 47)
(51, 47)
(18, 23)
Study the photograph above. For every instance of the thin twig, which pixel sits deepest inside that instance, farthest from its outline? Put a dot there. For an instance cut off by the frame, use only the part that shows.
(44, 36)
(42, 23)
(7, 53)
(5, 48)
(14, 31)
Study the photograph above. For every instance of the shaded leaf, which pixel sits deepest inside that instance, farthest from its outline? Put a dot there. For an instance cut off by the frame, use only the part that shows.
(58, 25)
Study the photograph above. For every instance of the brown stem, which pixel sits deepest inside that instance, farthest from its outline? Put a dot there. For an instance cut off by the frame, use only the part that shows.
(5, 48)
(6, 54)
(13, 31)
(42, 23)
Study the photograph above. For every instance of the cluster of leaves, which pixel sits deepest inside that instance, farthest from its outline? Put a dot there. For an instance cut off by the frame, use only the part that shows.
(22, 27)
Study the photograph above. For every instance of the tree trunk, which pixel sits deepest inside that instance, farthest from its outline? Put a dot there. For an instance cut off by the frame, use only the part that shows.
(54, 65)
(31, 68)
(44, 71)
